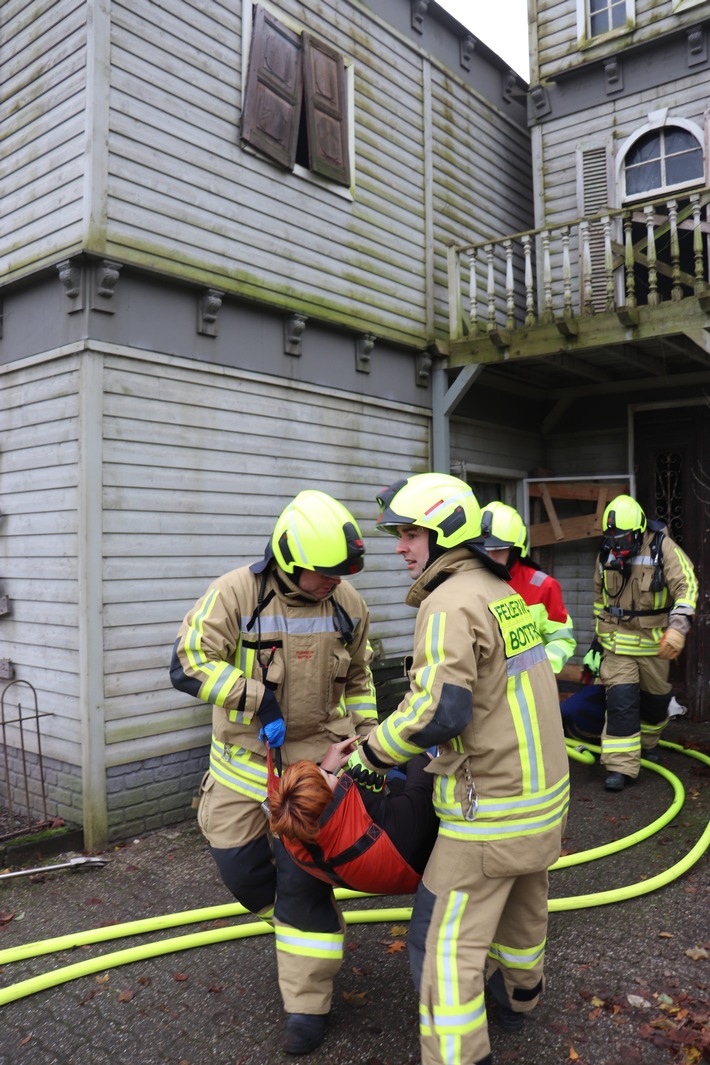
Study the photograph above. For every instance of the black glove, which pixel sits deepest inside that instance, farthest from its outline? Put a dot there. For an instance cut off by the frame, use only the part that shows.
(364, 777)
(273, 726)
(592, 662)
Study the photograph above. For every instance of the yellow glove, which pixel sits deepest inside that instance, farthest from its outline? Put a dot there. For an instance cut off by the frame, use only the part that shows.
(672, 643)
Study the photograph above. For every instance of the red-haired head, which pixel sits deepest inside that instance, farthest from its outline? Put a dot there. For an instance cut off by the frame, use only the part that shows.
(300, 797)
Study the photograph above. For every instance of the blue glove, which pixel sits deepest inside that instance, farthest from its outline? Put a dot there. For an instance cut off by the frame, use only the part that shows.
(363, 776)
(273, 726)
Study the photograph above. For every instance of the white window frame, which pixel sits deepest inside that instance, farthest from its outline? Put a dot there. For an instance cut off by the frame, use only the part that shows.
(298, 27)
(584, 36)
(658, 120)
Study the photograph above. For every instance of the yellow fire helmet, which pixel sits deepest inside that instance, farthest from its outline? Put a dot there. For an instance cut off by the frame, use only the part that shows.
(502, 526)
(444, 505)
(623, 515)
(316, 532)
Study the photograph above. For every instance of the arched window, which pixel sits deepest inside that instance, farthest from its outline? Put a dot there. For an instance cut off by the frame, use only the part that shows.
(665, 158)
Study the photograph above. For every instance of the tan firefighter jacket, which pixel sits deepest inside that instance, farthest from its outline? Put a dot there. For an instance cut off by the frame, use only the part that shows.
(658, 589)
(483, 690)
(299, 646)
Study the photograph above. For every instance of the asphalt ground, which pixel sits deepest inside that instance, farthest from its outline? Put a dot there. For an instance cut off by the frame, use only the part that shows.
(627, 982)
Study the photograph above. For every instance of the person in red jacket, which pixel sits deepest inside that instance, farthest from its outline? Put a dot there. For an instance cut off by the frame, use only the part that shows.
(505, 540)
(351, 836)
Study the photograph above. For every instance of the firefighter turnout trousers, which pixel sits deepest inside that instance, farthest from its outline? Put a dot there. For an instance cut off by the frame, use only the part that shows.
(637, 699)
(259, 872)
(457, 905)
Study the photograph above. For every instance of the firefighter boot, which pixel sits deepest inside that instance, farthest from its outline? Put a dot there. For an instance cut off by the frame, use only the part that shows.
(304, 1032)
(508, 1018)
(615, 782)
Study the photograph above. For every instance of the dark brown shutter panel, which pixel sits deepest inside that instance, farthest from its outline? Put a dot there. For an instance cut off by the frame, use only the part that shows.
(326, 110)
(272, 104)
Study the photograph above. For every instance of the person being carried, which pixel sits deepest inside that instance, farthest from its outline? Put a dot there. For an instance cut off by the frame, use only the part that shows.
(354, 837)
(505, 539)
(281, 651)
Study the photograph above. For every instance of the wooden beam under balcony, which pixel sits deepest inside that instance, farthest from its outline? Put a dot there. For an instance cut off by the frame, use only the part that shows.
(685, 318)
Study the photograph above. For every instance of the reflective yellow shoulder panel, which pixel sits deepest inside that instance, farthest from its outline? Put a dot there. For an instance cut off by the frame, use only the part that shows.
(516, 623)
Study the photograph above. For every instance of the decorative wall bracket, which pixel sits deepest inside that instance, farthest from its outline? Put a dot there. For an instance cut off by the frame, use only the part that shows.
(614, 75)
(209, 305)
(539, 102)
(467, 46)
(697, 46)
(419, 9)
(105, 274)
(363, 350)
(71, 276)
(511, 89)
(423, 365)
(293, 332)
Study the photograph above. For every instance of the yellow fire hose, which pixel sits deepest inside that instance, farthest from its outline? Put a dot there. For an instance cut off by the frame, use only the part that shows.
(254, 928)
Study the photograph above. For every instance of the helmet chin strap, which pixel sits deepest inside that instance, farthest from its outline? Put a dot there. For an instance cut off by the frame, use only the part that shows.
(435, 549)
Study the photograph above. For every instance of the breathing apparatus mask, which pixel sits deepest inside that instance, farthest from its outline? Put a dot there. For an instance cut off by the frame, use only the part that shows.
(624, 524)
(620, 546)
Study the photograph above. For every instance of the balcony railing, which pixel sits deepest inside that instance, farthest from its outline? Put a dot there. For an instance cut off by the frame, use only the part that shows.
(642, 254)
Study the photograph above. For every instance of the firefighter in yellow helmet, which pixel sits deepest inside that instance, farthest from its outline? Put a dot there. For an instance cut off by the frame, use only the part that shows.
(645, 594)
(483, 692)
(505, 540)
(280, 649)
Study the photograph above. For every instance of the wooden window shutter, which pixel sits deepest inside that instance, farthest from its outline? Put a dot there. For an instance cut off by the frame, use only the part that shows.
(326, 111)
(274, 90)
(595, 192)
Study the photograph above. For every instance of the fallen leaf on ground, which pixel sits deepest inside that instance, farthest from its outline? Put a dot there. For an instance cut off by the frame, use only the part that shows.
(696, 953)
(355, 998)
(25, 1041)
(398, 930)
(180, 977)
(639, 1001)
(394, 947)
(5, 918)
(103, 979)
(124, 996)
(665, 935)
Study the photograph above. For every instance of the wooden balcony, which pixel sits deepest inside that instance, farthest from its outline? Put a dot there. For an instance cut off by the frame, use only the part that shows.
(599, 300)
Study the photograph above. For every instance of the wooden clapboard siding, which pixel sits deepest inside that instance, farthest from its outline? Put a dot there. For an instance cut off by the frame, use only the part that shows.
(38, 547)
(42, 103)
(482, 445)
(563, 138)
(480, 159)
(186, 453)
(184, 195)
(559, 34)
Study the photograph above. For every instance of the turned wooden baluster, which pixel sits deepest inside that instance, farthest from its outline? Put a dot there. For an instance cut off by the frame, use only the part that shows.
(653, 297)
(567, 311)
(547, 314)
(473, 290)
(608, 263)
(530, 317)
(509, 293)
(629, 264)
(587, 305)
(676, 290)
(698, 247)
(491, 288)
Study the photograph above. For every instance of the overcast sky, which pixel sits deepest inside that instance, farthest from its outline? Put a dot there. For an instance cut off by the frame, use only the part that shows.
(502, 24)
